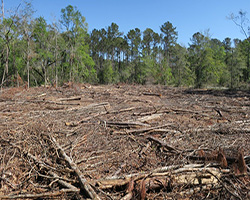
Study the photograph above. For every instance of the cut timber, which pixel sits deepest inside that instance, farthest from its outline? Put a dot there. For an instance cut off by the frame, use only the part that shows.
(42, 95)
(149, 118)
(70, 98)
(190, 174)
(112, 183)
(85, 186)
(152, 94)
(197, 176)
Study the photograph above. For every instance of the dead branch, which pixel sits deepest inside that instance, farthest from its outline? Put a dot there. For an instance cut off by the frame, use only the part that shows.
(188, 124)
(219, 112)
(67, 104)
(51, 102)
(189, 111)
(124, 124)
(91, 106)
(113, 182)
(42, 164)
(86, 119)
(130, 189)
(152, 94)
(162, 143)
(135, 131)
(143, 189)
(109, 123)
(229, 191)
(85, 186)
(121, 110)
(53, 108)
(63, 183)
(189, 174)
(36, 196)
(145, 113)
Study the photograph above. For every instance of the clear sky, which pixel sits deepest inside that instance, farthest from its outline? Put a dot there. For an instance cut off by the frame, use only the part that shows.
(188, 16)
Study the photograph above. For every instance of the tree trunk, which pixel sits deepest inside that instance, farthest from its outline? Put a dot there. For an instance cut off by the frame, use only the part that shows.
(28, 63)
(56, 63)
(7, 58)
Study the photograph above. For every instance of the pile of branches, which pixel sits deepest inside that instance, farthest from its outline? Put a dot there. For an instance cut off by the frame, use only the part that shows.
(96, 151)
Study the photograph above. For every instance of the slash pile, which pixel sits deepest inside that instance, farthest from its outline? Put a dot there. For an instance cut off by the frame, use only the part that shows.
(124, 142)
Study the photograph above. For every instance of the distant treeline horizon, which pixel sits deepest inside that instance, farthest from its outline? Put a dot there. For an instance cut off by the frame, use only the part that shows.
(35, 53)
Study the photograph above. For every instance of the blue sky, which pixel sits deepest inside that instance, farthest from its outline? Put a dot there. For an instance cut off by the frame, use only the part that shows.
(188, 16)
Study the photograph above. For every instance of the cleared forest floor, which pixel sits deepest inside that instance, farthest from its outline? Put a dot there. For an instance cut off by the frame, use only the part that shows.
(124, 141)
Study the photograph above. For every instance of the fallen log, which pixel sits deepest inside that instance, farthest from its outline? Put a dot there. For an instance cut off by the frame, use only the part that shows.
(149, 118)
(70, 98)
(186, 175)
(38, 196)
(152, 94)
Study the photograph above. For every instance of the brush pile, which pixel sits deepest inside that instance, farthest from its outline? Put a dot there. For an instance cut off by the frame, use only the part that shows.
(124, 142)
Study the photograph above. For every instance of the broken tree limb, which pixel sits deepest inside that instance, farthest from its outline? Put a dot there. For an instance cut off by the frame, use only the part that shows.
(152, 94)
(162, 143)
(63, 183)
(85, 186)
(189, 111)
(121, 110)
(130, 189)
(219, 112)
(91, 106)
(143, 130)
(124, 124)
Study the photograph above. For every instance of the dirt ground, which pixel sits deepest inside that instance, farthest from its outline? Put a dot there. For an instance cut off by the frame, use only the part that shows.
(124, 142)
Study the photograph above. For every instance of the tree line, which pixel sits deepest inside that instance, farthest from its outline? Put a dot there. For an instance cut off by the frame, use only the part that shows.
(35, 53)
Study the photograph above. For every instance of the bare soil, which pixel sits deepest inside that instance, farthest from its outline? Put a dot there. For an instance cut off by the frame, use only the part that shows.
(124, 141)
